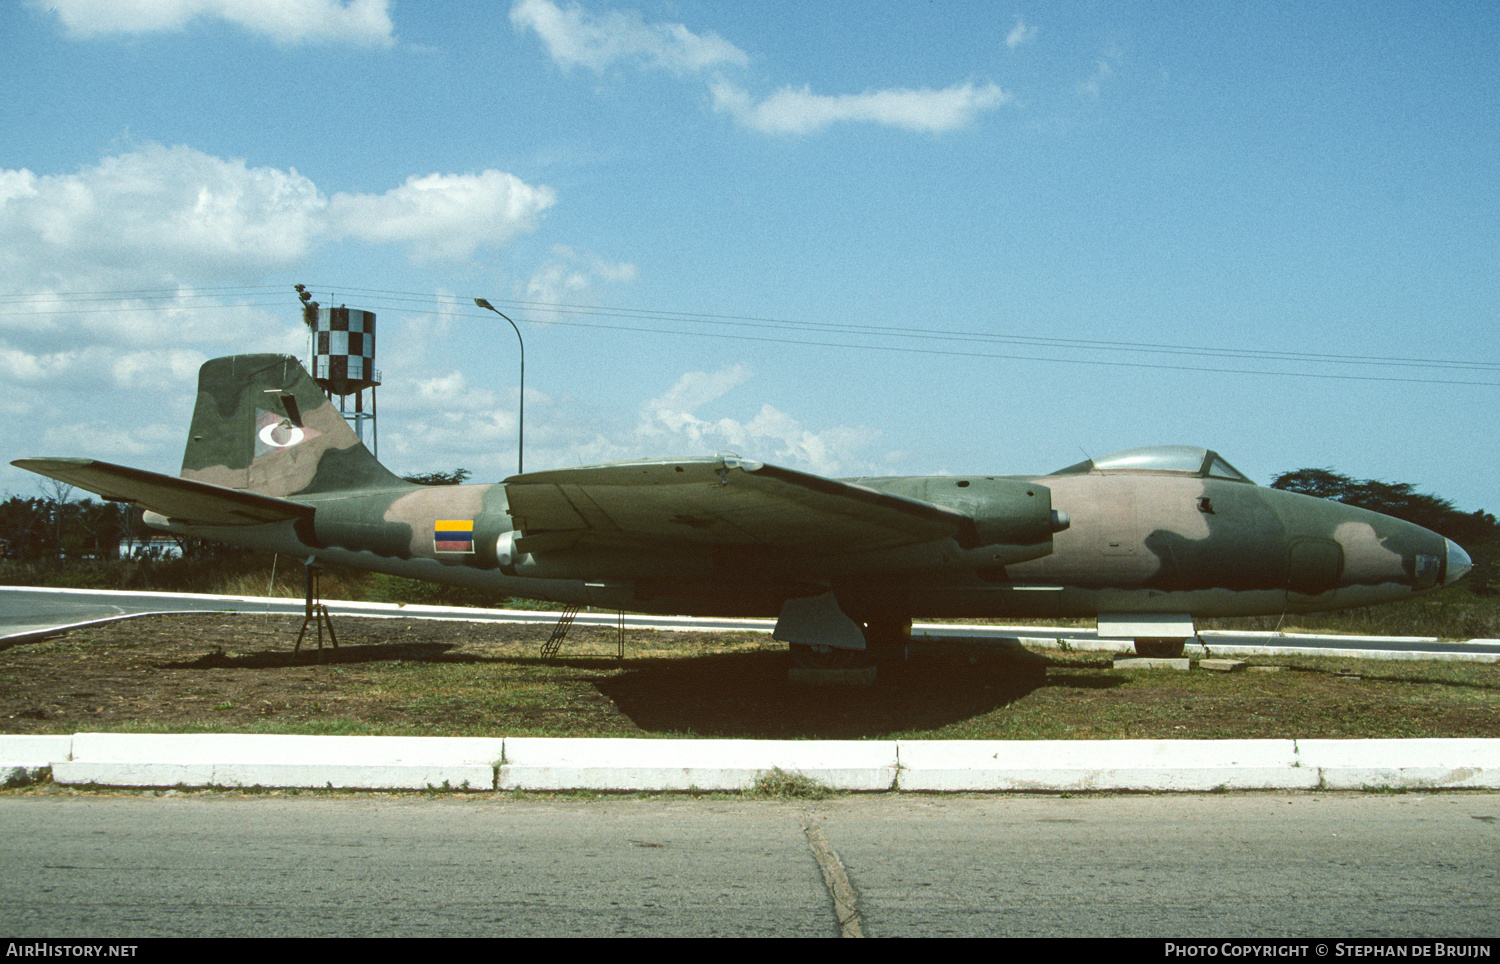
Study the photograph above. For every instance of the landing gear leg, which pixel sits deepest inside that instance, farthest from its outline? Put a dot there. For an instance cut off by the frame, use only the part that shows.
(887, 644)
(888, 638)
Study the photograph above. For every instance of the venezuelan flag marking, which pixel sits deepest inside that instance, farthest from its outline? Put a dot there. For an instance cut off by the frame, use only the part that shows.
(453, 535)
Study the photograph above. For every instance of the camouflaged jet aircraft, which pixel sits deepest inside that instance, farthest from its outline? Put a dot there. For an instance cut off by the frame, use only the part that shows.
(1144, 540)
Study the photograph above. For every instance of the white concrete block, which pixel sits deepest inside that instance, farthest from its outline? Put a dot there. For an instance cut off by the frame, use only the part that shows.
(1145, 626)
(34, 751)
(1068, 765)
(1411, 764)
(245, 760)
(627, 764)
(25, 758)
(230, 760)
(1181, 664)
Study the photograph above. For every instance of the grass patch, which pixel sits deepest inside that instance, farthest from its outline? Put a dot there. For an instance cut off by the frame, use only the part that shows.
(216, 673)
(779, 784)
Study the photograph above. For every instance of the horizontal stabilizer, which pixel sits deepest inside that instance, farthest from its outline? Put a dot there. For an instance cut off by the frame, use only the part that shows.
(720, 502)
(180, 499)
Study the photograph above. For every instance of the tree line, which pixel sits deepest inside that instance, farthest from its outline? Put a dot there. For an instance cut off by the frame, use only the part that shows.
(55, 528)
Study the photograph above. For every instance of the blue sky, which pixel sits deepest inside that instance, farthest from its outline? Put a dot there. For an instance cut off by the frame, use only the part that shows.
(853, 238)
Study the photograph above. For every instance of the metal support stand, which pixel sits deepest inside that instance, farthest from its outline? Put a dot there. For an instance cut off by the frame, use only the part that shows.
(315, 611)
(553, 645)
(559, 632)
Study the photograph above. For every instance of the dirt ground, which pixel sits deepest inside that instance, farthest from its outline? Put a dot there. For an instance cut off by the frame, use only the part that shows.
(238, 673)
(212, 672)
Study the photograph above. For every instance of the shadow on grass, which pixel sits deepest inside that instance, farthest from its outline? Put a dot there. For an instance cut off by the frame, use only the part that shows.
(344, 655)
(749, 696)
(726, 695)
(351, 654)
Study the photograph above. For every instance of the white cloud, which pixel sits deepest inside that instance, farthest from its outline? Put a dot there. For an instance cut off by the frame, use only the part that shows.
(174, 220)
(443, 216)
(144, 369)
(1092, 86)
(17, 184)
(21, 367)
(163, 214)
(570, 273)
(481, 440)
(575, 37)
(85, 368)
(442, 389)
(114, 442)
(1020, 34)
(362, 22)
(43, 323)
(671, 413)
(669, 426)
(452, 424)
(135, 212)
(792, 111)
(781, 438)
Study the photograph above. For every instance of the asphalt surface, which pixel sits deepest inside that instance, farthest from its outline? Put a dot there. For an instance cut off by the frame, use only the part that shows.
(1314, 866)
(127, 865)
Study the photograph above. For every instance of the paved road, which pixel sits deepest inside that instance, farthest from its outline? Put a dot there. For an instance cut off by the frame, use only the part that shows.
(1309, 865)
(28, 613)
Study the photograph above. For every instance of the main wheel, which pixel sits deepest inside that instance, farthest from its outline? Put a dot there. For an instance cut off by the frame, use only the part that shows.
(1160, 648)
(829, 657)
(887, 643)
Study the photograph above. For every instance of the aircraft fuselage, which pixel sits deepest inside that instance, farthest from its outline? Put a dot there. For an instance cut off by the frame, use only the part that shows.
(1149, 543)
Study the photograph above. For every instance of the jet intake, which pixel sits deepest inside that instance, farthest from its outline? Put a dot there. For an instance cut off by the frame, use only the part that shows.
(1010, 512)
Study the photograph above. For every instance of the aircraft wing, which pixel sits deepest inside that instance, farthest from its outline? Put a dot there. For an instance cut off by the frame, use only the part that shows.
(707, 502)
(181, 499)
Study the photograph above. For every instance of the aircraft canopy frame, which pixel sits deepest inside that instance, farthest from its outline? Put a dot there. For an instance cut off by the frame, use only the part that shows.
(1191, 460)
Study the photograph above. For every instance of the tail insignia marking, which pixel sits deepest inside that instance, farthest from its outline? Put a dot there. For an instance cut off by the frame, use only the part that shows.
(275, 432)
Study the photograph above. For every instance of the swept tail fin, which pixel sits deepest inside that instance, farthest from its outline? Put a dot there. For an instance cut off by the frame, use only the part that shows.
(262, 424)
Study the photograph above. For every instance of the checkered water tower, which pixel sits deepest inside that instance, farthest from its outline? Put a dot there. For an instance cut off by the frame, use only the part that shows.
(342, 346)
(344, 351)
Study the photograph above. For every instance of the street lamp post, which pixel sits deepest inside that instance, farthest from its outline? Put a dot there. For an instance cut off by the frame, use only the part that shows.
(521, 423)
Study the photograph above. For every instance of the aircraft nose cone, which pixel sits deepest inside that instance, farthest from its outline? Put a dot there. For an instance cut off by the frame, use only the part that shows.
(1459, 562)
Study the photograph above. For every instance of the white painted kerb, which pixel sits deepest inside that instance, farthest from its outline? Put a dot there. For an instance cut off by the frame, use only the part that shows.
(246, 760)
(1408, 764)
(615, 764)
(23, 758)
(1066, 765)
(416, 763)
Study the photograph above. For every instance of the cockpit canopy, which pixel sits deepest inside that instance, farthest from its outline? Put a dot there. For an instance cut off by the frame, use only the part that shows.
(1177, 459)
